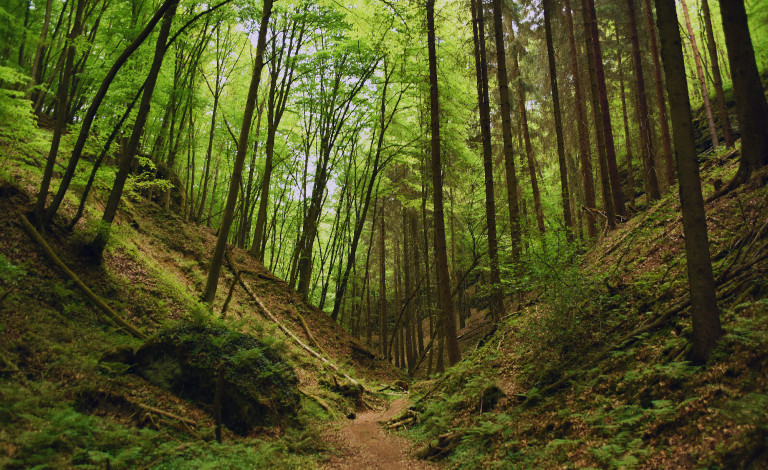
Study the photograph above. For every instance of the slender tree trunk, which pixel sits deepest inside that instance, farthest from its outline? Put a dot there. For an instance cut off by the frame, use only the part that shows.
(382, 287)
(96, 102)
(605, 183)
(506, 131)
(627, 140)
(605, 112)
(105, 226)
(516, 76)
(481, 71)
(643, 118)
(61, 115)
(706, 320)
(41, 45)
(558, 123)
(444, 280)
(717, 78)
(585, 152)
(661, 102)
(751, 106)
(237, 171)
(700, 75)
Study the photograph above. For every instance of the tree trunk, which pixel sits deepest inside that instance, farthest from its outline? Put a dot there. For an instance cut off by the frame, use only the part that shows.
(661, 102)
(41, 45)
(105, 226)
(605, 183)
(506, 131)
(605, 112)
(717, 79)
(382, 287)
(627, 140)
(481, 71)
(446, 304)
(585, 152)
(516, 76)
(237, 171)
(706, 320)
(96, 102)
(61, 116)
(643, 119)
(751, 106)
(700, 75)
(564, 197)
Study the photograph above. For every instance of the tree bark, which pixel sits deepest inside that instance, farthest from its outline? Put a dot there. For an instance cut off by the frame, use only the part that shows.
(105, 226)
(61, 116)
(446, 304)
(96, 102)
(558, 122)
(717, 79)
(643, 118)
(506, 131)
(751, 106)
(585, 152)
(627, 140)
(700, 75)
(706, 320)
(661, 102)
(605, 112)
(237, 171)
(481, 71)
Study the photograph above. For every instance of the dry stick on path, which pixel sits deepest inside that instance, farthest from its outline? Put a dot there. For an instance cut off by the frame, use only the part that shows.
(30, 229)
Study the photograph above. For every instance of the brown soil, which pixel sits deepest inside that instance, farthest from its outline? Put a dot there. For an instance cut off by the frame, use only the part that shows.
(363, 443)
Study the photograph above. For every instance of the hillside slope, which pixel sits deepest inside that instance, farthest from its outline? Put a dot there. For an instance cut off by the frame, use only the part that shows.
(63, 403)
(592, 372)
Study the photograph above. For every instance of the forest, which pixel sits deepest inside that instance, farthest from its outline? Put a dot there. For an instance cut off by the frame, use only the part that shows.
(383, 234)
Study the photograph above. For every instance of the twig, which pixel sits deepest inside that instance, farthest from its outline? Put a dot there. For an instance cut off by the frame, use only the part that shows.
(158, 411)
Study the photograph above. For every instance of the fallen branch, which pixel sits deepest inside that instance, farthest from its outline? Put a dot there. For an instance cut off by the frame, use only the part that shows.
(270, 316)
(160, 412)
(319, 401)
(6, 292)
(106, 309)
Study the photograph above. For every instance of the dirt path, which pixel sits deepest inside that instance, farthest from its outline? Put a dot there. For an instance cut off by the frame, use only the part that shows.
(365, 445)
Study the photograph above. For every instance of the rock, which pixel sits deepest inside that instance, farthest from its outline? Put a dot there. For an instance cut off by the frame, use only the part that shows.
(401, 384)
(490, 398)
(352, 415)
(258, 388)
(120, 354)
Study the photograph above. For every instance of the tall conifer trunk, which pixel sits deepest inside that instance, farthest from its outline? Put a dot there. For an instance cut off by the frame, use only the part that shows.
(706, 320)
(444, 280)
(558, 122)
(585, 151)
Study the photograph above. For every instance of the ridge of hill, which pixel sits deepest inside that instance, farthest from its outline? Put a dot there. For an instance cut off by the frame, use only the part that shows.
(592, 370)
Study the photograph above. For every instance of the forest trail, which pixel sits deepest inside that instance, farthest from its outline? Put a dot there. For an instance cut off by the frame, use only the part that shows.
(364, 444)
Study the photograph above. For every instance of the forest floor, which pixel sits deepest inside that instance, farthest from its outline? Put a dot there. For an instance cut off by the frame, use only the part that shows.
(363, 443)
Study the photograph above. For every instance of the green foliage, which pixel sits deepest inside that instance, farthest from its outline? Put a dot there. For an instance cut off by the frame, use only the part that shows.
(9, 273)
(17, 121)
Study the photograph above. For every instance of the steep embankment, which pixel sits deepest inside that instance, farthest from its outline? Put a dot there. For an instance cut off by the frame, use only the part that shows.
(63, 403)
(592, 372)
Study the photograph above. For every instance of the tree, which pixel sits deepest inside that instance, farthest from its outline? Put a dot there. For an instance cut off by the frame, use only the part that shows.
(646, 140)
(717, 79)
(701, 284)
(605, 115)
(105, 226)
(558, 121)
(585, 152)
(481, 72)
(700, 75)
(751, 105)
(506, 129)
(446, 304)
(212, 281)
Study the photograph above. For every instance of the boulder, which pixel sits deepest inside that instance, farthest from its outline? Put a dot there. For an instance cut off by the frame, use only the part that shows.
(258, 388)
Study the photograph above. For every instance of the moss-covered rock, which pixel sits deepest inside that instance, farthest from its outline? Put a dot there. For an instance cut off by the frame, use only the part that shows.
(257, 387)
